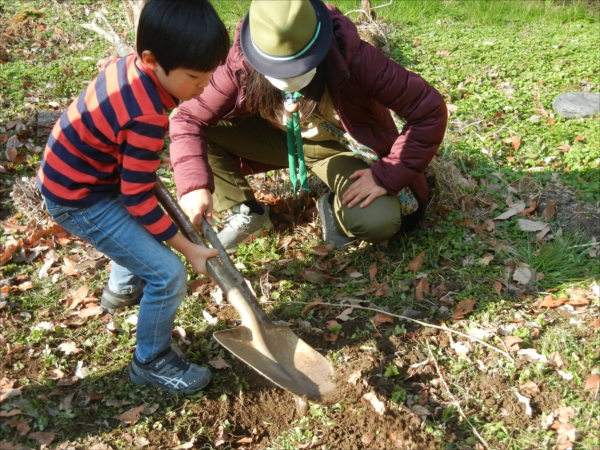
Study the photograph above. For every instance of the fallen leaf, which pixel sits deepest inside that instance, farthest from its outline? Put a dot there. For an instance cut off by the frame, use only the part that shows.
(345, 314)
(380, 318)
(323, 250)
(550, 302)
(132, 415)
(377, 404)
(315, 276)
(330, 337)
(486, 259)
(463, 308)
(512, 343)
(22, 426)
(530, 388)
(417, 263)
(332, 324)
(41, 437)
(443, 53)
(522, 274)
(367, 438)
(498, 287)
(420, 410)
(372, 271)
(549, 210)
(186, 446)
(354, 377)
(210, 319)
(531, 225)
(315, 304)
(565, 375)
(219, 363)
(526, 401)
(11, 413)
(533, 355)
(91, 311)
(592, 382)
(69, 347)
(141, 441)
(422, 289)
(462, 349)
(246, 440)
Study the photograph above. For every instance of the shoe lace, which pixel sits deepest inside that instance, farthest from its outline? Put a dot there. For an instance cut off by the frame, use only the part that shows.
(238, 220)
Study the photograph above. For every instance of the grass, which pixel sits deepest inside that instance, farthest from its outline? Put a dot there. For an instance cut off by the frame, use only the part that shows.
(501, 66)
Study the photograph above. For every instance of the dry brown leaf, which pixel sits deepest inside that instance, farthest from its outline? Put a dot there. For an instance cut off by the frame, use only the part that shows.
(417, 263)
(486, 259)
(549, 210)
(530, 389)
(246, 440)
(11, 413)
(512, 343)
(462, 349)
(443, 53)
(422, 289)
(323, 250)
(380, 318)
(592, 382)
(315, 276)
(498, 287)
(219, 363)
(91, 311)
(345, 314)
(22, 426)
(550, 302)
(41, 437)
(330, 337)
(372, 271)
(316, 304)
(463, 308)
(377, 404)
(595, 323)
(132, 415)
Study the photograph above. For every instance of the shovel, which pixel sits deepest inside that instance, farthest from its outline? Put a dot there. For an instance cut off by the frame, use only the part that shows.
(273, 351)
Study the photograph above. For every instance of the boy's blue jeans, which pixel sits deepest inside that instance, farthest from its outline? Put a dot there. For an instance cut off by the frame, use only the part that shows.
(136, 256)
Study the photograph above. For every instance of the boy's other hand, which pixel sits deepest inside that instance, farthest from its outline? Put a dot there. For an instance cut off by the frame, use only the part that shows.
(197, 257)
(197, 205)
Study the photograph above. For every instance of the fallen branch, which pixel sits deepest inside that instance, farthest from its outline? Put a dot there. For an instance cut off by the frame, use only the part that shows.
(122, 48)
(425, 324)
(455, 402)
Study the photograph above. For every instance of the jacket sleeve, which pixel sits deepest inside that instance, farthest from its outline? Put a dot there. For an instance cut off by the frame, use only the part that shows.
(139, 143)
(190, 127)
(415, 101)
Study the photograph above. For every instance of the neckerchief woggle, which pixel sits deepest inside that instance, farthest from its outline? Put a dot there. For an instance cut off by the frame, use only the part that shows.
(294, 134)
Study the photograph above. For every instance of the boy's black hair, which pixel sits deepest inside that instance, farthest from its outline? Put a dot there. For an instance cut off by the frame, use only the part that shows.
(186, 34)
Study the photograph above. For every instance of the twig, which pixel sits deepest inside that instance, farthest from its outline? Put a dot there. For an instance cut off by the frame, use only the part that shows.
(121, 47)
(372, 7)
(425, 324)
(372, 21)
(455, 400)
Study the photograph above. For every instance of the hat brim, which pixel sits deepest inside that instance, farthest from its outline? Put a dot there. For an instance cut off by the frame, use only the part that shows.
(295, 67)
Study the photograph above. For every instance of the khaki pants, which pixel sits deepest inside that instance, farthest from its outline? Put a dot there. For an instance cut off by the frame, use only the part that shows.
(255, 139)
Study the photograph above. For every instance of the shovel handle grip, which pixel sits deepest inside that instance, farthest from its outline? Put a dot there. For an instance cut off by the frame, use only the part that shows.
(225, 275)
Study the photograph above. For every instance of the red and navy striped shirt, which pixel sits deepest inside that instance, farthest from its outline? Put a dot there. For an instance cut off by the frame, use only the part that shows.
(107, 142)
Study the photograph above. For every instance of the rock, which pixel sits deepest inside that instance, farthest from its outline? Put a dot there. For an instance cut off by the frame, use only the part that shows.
(574, 105)
(45, 122)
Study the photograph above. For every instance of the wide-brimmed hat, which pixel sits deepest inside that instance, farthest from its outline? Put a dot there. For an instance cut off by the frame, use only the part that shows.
(286, 38)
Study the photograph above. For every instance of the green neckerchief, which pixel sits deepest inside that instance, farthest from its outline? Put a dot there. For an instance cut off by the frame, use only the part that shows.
(293, 132)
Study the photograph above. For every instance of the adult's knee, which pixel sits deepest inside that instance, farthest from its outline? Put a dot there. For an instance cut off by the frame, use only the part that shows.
(374, 225)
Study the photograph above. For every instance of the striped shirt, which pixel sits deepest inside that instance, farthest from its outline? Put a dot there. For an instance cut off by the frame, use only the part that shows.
(107, 142)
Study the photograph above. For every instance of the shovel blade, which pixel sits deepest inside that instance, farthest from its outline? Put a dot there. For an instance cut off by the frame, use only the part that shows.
(288, 361)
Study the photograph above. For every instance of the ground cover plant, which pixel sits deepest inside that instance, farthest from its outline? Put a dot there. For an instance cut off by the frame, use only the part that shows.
(480, 330)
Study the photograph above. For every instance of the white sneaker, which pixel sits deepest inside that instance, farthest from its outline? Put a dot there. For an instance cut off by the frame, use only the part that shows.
(242, 225)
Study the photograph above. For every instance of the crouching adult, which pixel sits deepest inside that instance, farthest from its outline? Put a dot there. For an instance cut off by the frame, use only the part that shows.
(301, 90)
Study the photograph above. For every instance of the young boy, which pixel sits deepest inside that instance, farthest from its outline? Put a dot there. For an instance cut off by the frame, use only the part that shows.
(98, 174)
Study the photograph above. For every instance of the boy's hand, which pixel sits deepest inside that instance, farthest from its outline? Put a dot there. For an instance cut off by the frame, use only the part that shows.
(364, 188)
(197, 256)
(197, 205)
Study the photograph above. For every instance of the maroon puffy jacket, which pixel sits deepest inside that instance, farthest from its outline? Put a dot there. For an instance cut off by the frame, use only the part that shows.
(364, 85)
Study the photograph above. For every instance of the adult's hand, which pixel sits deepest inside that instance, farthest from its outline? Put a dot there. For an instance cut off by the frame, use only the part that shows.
(364, 190)
(196, 205)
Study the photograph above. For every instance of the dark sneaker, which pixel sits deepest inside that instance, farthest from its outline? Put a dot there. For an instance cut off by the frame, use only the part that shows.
(170, 372)
(111, 301)
(242, 225)
(331, 235)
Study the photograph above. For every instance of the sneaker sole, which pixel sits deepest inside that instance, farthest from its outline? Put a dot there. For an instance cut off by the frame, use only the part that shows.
(268, 225)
